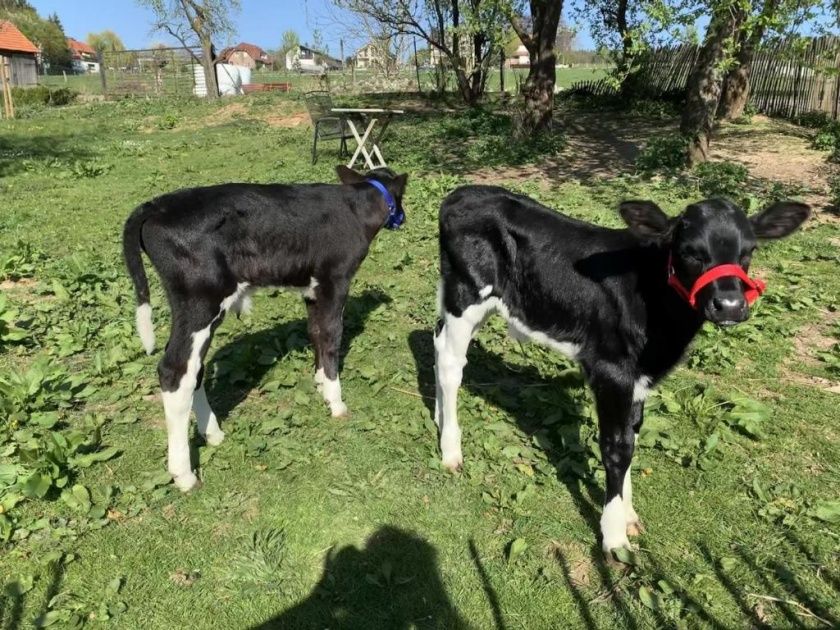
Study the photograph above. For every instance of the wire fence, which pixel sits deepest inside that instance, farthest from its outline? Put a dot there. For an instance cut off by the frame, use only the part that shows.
(155, 72)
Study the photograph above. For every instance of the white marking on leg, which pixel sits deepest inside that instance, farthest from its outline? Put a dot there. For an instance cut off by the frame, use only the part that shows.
(641, 388)
(320, 378)
(630, 515)
(332, 394)
(208, 425)
(176, 408)
(614, 526)
(486, 291)
(145, 327)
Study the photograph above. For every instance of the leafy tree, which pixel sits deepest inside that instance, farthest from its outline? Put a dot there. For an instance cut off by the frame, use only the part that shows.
(105, 41)
(291, 40)
(626, 29)
(761, 17)
(46, 33)
(467, 33)
(539, 39)
(196, 22)
(704, 84)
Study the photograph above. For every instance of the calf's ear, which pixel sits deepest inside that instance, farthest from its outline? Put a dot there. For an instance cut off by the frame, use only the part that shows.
(348, 175)
(780, 219)
(401, 181)
(645, 219)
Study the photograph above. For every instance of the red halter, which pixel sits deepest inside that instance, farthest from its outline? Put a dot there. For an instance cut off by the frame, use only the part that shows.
(755, 287)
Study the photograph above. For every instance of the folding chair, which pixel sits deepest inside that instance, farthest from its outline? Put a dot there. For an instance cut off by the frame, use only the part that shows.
(327, 125)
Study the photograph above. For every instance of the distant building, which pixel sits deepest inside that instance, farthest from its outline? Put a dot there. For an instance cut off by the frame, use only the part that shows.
(246, 55)
(519, 59)
(84, 58)
(373, 55)
(22, 52)
(305, 59)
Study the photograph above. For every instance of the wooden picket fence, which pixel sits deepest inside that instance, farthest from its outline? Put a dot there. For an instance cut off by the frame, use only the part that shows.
(789, 77)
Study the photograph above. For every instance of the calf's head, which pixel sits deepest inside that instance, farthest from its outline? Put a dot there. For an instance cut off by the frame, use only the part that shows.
(710, 247)
(392, 183)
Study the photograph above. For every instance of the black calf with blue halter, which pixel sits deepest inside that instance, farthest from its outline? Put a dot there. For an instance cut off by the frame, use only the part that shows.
(396, 216)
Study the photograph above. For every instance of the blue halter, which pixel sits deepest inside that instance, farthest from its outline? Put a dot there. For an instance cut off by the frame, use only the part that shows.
(396, 217)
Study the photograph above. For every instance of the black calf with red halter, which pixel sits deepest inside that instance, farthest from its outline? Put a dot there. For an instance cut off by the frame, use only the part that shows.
(755, 287)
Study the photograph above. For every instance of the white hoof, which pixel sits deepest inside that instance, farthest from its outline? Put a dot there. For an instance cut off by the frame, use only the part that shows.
(214, 439)
(339, 410)
(453, 462)
(187, 482)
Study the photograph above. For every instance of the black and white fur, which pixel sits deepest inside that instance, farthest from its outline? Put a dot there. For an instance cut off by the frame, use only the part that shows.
(597, 295)
(213, 246)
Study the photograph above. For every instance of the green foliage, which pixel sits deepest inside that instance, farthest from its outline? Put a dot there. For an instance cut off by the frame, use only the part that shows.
(46, 33)
(666, 153)
(43, 96)
(722, 179)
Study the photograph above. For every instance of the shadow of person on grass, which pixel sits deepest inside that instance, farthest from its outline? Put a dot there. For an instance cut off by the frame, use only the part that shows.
(14, 594)
(392, 583)
(245, 358)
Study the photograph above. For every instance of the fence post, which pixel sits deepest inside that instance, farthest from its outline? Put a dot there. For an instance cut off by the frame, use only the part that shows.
(102, 79)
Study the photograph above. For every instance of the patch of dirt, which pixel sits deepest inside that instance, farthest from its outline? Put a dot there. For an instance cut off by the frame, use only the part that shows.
(292, 120)
(812, 338)
(574, 561)
(23, 284)
(598, 145)
(779, 151)
(809, 340)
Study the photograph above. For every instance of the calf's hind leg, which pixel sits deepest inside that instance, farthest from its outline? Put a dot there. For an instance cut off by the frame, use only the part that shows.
(179, 371)
(452, 340)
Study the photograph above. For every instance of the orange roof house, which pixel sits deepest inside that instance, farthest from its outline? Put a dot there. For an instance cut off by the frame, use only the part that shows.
(21, 52)
(13, 41)
(80, 50)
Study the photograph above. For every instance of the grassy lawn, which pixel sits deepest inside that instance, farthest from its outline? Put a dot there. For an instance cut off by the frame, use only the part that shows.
(304, 521)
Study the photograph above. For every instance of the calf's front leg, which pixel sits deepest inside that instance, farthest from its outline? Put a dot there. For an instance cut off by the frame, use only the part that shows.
(327, 311)
(617, 414)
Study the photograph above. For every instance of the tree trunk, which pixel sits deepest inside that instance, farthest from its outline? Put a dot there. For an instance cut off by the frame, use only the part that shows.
(736, 84)
(736, 89)
(704, 85)
(538, 91)
(209, 69)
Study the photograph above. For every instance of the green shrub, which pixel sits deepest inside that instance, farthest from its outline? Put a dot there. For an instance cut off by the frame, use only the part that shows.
(41, 95)
(665, 152)
(814, 120)
(746, 117)
(722, 179)
(834, 190)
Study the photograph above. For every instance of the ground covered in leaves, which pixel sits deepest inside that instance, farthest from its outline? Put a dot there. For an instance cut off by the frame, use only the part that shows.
(304, 521)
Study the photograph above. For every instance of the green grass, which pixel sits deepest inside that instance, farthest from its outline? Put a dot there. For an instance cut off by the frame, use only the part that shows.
(314, 522)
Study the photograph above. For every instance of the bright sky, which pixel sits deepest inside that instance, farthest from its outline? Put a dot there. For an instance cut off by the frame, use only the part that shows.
(260, 22)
